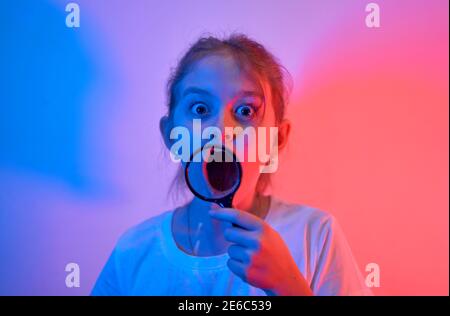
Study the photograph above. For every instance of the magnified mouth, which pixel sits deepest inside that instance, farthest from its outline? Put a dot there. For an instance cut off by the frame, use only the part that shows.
(222, 175)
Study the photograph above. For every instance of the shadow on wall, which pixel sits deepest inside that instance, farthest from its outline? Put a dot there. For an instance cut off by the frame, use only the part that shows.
(45, 78)
(52, 116)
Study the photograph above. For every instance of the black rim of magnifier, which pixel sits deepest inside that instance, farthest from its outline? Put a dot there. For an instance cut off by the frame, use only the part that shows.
(225, 201)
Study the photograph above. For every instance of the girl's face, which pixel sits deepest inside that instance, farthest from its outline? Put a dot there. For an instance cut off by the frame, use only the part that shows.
(216, 91)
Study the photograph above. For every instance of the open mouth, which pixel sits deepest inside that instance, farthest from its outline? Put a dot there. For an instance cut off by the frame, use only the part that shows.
(222, 175)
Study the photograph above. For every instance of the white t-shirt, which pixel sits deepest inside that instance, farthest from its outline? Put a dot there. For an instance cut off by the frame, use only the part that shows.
(147, 261)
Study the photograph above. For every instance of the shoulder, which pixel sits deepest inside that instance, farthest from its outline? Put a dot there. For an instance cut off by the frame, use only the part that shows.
(142, 235)
(130, 250)
(317, 239)
(304, 222)
(294, 214)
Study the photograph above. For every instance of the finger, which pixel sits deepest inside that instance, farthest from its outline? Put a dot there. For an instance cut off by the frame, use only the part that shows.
(239, 253)
(242, 237)
(240, 218)
(237, 268)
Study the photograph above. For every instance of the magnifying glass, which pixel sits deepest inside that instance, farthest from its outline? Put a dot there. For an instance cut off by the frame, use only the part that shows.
(215, 175)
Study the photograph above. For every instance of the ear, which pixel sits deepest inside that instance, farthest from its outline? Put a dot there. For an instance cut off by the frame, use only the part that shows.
(284, 130)
(165, 126)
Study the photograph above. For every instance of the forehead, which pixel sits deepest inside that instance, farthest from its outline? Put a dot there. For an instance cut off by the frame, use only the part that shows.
(221, 75)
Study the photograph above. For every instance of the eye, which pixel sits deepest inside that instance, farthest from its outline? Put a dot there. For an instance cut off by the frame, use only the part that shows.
(245, 111)
(199, 108)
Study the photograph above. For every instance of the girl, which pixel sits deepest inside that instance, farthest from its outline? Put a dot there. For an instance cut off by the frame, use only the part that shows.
(261, 246)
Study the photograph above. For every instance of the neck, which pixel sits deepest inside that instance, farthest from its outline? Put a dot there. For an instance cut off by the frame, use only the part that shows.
(206, 234)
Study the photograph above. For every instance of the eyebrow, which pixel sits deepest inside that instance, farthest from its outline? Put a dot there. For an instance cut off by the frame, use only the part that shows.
(250, 94)
(240, 94)
(196, 90)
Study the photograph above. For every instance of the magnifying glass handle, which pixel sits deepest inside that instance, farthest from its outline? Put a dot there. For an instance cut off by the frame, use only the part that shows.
(226, 202)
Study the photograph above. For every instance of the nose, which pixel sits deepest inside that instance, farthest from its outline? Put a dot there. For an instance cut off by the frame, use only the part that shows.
(226, 124)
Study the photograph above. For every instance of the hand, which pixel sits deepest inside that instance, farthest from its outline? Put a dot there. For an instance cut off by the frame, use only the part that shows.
(259, 256)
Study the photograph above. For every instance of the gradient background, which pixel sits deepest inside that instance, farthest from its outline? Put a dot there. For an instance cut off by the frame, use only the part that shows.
(81, 158)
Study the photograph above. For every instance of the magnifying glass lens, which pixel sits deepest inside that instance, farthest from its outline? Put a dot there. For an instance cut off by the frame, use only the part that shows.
(215, 178)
